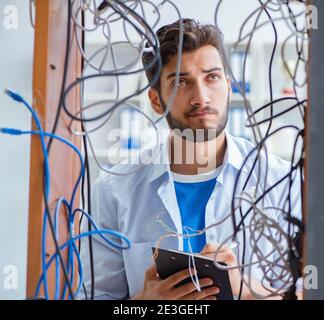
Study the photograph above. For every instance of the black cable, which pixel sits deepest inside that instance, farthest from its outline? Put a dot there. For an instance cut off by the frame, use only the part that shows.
(86, 160)
(65, 74)
(260, 144)
(92, 270)
(87, 172)
(47, 209)
(156, 59)
(267, 7)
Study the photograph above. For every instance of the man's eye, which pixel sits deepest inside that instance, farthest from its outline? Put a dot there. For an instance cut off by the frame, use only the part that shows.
(182, 82)
(214, 76)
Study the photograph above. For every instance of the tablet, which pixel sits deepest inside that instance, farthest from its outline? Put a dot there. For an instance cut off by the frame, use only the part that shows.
(169, 262)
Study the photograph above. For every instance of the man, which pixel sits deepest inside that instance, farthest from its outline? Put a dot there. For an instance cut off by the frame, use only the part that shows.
(184, 196)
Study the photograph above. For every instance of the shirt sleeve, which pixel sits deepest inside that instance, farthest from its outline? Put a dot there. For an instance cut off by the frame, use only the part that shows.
(109, 270)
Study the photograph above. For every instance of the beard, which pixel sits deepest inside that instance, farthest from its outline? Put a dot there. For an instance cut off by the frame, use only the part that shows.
(199, 134)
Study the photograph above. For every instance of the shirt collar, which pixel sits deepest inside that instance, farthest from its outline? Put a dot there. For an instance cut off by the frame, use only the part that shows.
(159, 168)
(233, 157)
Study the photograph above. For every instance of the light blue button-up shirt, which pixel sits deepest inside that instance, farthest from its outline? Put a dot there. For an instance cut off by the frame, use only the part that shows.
(136, 204)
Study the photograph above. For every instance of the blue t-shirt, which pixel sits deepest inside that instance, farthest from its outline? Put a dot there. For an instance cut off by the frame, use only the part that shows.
(193, 193)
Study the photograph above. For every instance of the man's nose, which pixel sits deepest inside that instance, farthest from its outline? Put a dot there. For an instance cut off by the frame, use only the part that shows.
(200, 95)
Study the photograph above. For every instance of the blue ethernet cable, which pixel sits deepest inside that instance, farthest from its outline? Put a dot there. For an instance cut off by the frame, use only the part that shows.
(87, 234)
(108, 241)
(12, 131)
(63, 201)
(72, 249)
(100, 233)
(115, 245)
(41, 133)
(60, 201)
(16, 97)
(70, 259)
(71, 217)
(78, 237)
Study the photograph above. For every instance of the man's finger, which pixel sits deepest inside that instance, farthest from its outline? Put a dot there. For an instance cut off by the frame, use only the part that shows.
(177, 277)
(213, 248)
(190, 287)
(151, 272)
(220, 257)
(211, 291)
(210, 298)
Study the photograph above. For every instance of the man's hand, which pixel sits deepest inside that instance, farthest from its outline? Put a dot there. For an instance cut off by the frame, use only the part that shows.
(226, 255)
(157, 289)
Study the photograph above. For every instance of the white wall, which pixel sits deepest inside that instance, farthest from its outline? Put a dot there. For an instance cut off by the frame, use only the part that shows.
(232, 13)
(16, 73)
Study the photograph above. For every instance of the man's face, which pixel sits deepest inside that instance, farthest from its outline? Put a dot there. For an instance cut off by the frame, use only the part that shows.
(203, 92)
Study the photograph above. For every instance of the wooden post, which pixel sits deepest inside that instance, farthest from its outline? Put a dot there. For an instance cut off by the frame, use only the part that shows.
(49, 56)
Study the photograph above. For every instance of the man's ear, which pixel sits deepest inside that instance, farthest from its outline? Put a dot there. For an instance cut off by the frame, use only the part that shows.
(155, 101)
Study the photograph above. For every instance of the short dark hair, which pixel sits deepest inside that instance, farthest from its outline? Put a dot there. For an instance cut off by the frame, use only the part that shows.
(195, 36)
